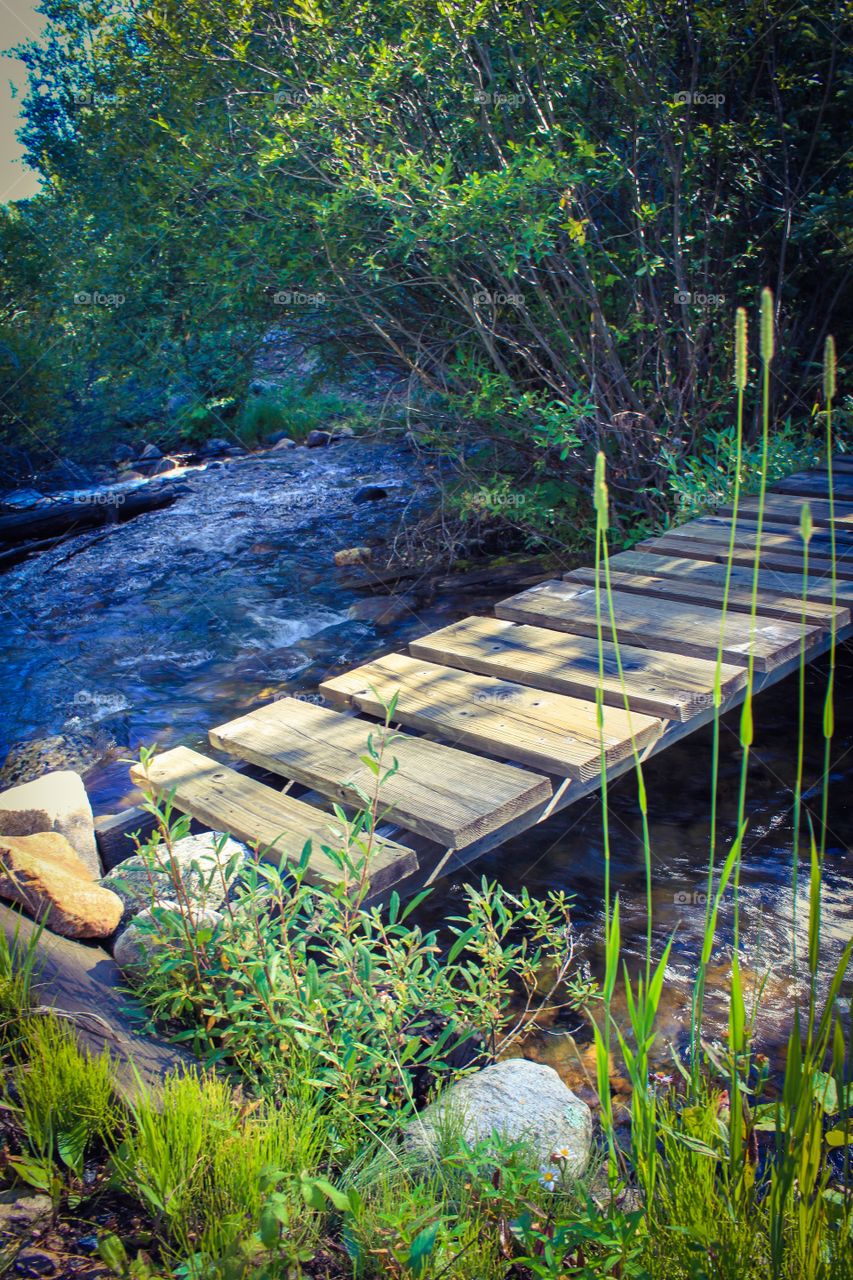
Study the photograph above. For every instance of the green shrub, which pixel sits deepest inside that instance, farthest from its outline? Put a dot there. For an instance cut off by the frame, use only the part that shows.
(205, 1164)
(297, 410)
(64, 1099)
(300, 978)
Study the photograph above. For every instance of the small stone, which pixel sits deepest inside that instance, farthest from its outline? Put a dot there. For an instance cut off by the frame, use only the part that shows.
(381, 610)
(150, 453)
(35, 1262)
(142, 881)
(369, 493)
(54, 802)
(318, 439)
(261, 387)
(519, 1099)
(20, 1210)
(88, 1244)
(353, 555)
(160, 466)
(214, 448)
(43, 874)
(284, 443)
(133, 946)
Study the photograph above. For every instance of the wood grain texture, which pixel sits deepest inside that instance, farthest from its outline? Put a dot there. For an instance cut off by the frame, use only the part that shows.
(697, 548)
(774, 537)
(669, 685)
(280, 826)
(786, 509)
(544, 730)
(815, 484)
(739, 599)
(772, 583)
(668, 625)
(448, 795)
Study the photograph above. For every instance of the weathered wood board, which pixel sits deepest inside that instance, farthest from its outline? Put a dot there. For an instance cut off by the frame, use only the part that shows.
(668, 625)
(669, 544)
(786, 509)
(773, 584)
(815, 484)
(451, 796)
(544, 730)
(672, 686)
(783, 538)
(250, 811)
(739, 599)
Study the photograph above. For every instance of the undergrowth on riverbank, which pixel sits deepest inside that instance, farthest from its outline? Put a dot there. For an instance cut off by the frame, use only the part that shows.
(331, 1021)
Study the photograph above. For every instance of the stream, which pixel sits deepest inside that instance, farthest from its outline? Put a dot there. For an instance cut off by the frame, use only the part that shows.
(157, 629)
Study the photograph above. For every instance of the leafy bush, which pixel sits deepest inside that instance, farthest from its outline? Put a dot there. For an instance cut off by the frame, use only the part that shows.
(311, 978)
(297, 410)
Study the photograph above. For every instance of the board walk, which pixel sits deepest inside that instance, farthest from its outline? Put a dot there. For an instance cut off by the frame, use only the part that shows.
(496, 719)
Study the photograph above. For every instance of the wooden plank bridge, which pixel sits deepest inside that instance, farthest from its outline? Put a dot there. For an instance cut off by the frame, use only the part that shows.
(495, 719)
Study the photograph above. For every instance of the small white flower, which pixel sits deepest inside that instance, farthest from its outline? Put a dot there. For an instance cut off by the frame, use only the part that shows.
(548, 1178)
(562, 1153)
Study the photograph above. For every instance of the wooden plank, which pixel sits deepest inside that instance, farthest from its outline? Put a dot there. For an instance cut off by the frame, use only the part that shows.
(786, 509)
(702, 549)
(782, 538)
(668, 625)
(815, 484)
(226, 800)
(769, 604)
(773, 582)
(449, 796)
(545, 730)
(673, 686)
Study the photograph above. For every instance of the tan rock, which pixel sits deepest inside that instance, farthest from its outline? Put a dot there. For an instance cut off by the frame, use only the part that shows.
(44, 874)
(54, 802)
(353, 555)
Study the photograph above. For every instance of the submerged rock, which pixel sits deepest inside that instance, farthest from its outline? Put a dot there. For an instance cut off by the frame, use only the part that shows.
(382, 610)
(27, 761)
(369, 493)
(214, 448)
(43, 874)
(141, 881)
(133, 945)
(54, 802)
(518, 1099)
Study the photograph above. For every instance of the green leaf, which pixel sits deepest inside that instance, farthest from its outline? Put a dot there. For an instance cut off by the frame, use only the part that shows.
(113, 1253)
(461, 942)
(421, 1247)
(71, 1145)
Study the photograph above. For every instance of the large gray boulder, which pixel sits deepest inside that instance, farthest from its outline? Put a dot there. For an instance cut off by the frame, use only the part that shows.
(145, 880)
(54, 802)
(133, 946)
(518, 1099)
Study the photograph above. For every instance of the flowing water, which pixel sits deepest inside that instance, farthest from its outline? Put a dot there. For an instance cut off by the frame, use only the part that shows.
(156, 629)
